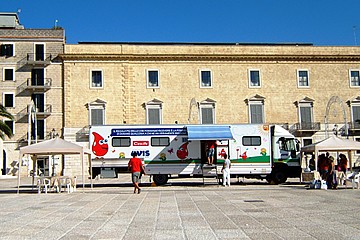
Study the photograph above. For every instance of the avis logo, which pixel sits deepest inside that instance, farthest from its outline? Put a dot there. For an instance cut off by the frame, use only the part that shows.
(143, 153)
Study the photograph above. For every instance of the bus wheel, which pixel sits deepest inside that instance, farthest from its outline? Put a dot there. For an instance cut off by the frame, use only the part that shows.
(160, 179)
(269, 179)
(279, 177)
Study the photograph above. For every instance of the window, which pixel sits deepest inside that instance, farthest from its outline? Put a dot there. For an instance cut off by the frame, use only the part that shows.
(154, 112)
(160, 141)
(8, 74)
(355, 115)
(121, 142)
(305, 117)
(205, 79)
(256, 109)
(303, 78)
(251, 140)
(254, 78)
(10, 124)
(207, 111)
(8, 100)
(354, 78)
(153, 78)
(305, 113)
(96, 79)
(97, 116)
(256, 113)
(39, 52)
(307, 141)
(37, 77)
(96, 112)
(357, 151)
(207, 114)
(7, 50)
(40, 129)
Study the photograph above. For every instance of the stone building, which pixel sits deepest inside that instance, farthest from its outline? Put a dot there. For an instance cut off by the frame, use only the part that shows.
(31, 89)
(313, 91)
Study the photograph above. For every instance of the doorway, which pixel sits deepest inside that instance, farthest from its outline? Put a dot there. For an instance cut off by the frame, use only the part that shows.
(42, 166)
(3, 170)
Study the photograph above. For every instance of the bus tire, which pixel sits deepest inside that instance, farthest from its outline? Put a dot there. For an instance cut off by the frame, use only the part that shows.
(279, 176)
(160, 179)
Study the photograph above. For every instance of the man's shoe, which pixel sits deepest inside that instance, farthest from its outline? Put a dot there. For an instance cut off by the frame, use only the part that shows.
(139, 191)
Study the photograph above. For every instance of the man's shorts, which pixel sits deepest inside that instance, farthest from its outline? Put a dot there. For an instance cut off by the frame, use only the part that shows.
(135, 177)
(211, 152)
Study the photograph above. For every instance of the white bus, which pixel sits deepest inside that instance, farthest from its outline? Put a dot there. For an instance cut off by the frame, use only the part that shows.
(256, 150)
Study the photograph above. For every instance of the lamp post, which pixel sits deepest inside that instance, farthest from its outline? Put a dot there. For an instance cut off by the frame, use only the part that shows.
(53, 134)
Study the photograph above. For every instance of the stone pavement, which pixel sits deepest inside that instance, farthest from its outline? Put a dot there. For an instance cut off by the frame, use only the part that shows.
(185, 209)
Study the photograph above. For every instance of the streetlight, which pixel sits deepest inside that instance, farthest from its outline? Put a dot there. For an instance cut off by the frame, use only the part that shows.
(53, 134)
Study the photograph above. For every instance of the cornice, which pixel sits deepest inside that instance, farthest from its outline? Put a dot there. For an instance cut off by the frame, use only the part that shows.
(210, 57)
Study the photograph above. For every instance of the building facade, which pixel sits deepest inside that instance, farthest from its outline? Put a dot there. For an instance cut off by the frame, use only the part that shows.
(312, 91)
(31, 89)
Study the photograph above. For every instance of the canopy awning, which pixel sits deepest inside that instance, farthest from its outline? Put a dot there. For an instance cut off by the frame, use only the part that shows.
(207, 132)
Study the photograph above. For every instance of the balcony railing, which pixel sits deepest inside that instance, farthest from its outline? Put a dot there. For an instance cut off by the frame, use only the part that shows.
(23, 115)
(33, 85)
(283, 125)
(83, 134)
(306, 126)
(354, 126)
(38, 59)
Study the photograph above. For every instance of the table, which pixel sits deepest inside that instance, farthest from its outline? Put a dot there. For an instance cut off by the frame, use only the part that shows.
(310, 176)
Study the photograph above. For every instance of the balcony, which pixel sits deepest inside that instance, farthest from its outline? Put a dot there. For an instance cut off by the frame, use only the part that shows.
(354, 128)
(83, 134)
(38, 60)
(41, 113)
(305, 128)
(31, 85)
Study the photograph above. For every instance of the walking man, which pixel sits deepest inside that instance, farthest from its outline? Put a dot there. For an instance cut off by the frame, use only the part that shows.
(136, 166)
(226, 171)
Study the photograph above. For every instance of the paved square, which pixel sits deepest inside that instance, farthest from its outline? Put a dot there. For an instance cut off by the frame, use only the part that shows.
(184, 209)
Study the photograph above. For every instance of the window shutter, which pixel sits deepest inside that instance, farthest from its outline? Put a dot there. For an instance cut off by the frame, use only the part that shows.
(305, 114)
(256, 113)
(97, 117)
(2, 50)
(154, 116)
(207, 115)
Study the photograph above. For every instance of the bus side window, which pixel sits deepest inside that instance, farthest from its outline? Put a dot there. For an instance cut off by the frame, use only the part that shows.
(121, 142)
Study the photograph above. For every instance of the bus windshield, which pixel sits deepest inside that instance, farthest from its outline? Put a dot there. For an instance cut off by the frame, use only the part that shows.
(288, 144)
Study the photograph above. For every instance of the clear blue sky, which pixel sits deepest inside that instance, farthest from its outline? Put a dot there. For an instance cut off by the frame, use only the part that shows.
(321, 22)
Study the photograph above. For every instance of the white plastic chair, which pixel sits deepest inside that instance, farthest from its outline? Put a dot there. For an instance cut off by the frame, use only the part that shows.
(64, 183)
(43, 184)
(354, 179)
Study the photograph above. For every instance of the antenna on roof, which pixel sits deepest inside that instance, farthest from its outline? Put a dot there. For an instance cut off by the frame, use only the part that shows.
(19, 10)
(56, 21)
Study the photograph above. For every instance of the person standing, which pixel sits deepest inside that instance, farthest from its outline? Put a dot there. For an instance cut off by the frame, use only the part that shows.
(226, 170)
(211, 151)
(136, 166)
